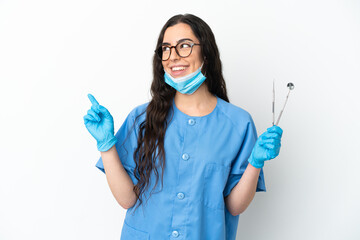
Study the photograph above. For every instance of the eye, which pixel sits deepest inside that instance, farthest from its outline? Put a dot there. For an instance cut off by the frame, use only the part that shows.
(185, 45)
(165, 48)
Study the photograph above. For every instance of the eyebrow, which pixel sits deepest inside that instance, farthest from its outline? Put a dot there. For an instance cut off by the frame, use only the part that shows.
(181, 40)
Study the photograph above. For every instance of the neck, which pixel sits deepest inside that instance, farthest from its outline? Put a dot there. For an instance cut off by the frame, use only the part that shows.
(201, 102)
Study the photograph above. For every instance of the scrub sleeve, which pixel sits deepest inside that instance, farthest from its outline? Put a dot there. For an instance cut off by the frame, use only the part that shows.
(126, 144)
(241, 161)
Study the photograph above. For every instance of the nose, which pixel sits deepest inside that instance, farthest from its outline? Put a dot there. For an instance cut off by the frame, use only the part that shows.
(173, 54)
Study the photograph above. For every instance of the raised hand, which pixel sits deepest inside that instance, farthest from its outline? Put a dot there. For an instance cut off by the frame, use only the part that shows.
(100, 124)
(266, 147)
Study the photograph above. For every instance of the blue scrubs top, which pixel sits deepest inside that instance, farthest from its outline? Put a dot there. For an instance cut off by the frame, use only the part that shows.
(205, 158)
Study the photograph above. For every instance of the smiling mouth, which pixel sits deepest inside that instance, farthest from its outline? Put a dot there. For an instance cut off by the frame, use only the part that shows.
(174, 69)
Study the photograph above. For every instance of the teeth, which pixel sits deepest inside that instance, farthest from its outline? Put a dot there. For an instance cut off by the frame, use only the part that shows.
(178, 68)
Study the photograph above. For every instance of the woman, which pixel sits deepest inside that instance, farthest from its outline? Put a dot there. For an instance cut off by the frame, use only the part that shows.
(189, 131)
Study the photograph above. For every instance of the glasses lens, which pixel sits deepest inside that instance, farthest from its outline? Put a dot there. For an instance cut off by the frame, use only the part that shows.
(165, 52)
(184, 48)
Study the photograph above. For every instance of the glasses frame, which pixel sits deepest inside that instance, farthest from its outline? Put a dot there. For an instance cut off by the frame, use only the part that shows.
(158, 51)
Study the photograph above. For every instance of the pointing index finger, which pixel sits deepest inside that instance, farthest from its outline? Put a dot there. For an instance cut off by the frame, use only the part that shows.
(92, 99)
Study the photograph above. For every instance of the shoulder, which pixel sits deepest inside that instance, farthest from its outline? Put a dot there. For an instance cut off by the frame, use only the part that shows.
(233, 112)
(239, 117)
(134, 119)
(139, 112)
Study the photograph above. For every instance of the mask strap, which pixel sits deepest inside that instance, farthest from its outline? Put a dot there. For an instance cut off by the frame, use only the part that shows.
(202, 66)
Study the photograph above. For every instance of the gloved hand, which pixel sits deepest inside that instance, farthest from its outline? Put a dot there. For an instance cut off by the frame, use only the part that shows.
(266, 147)
(100, 124)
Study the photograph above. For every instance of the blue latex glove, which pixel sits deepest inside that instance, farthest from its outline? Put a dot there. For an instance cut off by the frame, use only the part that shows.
(266, 147)
(100, 124)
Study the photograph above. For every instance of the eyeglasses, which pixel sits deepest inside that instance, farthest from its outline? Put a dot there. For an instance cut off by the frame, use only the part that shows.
(183, 49)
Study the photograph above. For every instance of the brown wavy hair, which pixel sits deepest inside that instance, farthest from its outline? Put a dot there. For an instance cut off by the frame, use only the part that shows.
(152, 130)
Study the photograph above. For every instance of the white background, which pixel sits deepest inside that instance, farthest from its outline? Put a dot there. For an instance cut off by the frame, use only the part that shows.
(53, 53)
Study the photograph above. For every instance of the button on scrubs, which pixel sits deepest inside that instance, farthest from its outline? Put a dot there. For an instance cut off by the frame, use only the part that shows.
(205, 158)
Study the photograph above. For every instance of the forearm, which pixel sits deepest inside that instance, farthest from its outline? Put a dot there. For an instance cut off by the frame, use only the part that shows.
(244, 191)
(118, 179)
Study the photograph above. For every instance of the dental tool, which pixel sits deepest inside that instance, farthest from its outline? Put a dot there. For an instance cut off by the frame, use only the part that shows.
(290, 86)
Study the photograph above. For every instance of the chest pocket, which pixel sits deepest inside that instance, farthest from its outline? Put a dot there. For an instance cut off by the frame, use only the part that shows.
(130, 233)
(215, 178)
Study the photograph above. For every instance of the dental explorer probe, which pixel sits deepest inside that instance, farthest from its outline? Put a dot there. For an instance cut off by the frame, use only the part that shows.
(273, 103)
(291, 87)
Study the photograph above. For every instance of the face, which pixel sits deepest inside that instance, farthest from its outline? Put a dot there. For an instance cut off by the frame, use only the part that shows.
(178, 66)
